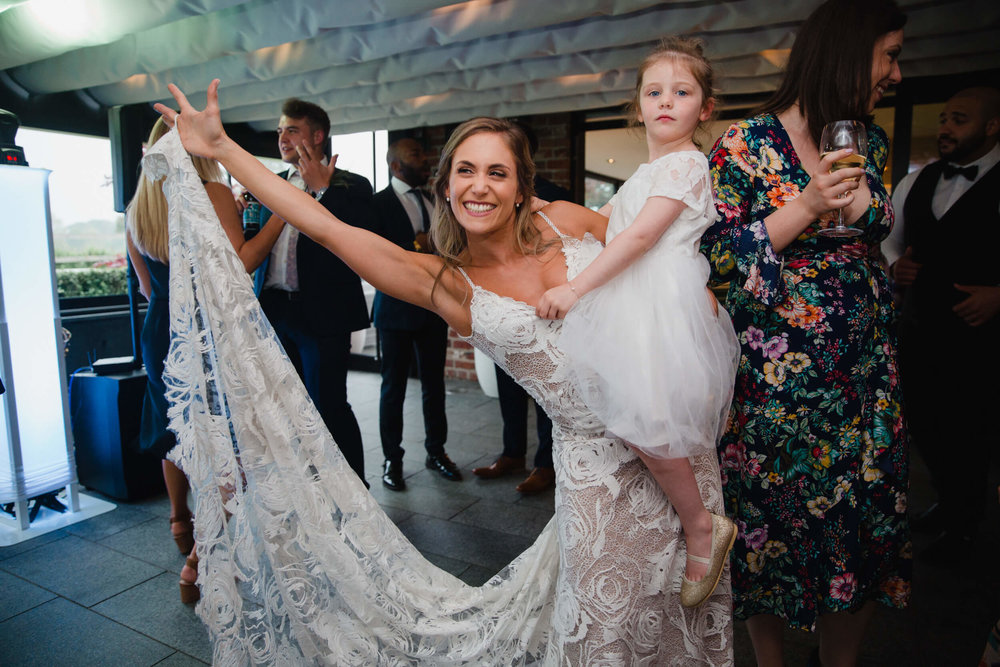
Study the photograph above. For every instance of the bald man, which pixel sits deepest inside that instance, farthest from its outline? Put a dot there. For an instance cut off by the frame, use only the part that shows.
(944, 255)
(403, 215)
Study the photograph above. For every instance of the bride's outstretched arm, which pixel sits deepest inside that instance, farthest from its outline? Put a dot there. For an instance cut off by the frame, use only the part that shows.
(405, 275)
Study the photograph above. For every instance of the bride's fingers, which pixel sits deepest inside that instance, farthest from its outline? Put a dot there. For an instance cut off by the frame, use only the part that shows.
(168, 114)
(213, 95)
(181, 98)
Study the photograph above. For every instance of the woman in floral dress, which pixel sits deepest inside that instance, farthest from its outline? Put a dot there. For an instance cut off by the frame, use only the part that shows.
(814, 462)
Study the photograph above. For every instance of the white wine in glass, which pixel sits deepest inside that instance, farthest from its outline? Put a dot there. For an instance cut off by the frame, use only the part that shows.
(837, 136)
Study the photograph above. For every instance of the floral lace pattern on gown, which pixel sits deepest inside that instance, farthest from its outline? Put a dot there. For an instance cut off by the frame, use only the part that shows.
(299, 565)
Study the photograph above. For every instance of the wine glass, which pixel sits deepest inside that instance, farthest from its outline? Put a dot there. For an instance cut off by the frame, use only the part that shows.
(839, 135)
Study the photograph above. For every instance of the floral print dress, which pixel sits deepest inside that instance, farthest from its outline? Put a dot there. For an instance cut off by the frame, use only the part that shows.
(814, 461)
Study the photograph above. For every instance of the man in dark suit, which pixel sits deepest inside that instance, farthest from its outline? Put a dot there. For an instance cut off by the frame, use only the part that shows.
(402, 215)
(312, 299)
(943, 255)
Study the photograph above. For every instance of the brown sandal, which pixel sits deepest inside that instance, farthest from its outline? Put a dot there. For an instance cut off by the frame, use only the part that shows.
(190, 593)
(185, 538)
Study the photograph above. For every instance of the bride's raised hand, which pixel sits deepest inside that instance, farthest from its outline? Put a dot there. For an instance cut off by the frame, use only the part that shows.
(200, 131)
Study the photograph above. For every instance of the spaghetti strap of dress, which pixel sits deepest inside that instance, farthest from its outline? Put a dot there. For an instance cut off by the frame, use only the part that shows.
(551, 224)
(466, 276)
(544, 217)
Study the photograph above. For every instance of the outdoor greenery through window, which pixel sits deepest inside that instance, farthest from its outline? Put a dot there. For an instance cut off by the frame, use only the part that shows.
(88, 234)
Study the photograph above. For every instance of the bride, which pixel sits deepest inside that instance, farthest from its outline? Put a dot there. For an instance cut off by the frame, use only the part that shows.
(298, 563)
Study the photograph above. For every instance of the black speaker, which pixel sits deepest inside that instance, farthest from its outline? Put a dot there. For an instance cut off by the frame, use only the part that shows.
(105, 412)
(128, 127)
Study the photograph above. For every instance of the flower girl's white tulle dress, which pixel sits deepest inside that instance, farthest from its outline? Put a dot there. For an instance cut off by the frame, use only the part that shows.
(300, 566)
(647, 351)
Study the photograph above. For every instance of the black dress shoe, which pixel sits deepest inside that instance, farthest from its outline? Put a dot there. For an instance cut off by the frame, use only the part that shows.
(930, 521)
(392, 476)
(949, 548)
(445, 466)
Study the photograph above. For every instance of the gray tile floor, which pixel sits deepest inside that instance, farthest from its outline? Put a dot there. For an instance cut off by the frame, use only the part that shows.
(104, 591)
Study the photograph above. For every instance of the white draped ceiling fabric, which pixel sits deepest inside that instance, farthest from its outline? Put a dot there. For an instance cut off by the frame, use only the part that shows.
(396, 64)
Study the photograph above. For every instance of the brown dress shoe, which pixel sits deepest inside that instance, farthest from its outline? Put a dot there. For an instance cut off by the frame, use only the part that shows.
(539, 480)
(500, 467)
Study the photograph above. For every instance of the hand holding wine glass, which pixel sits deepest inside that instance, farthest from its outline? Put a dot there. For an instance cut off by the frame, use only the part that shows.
(840, 135)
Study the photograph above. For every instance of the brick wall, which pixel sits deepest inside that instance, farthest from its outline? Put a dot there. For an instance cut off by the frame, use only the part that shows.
(552, 161)
(460, 361)
(554, 157)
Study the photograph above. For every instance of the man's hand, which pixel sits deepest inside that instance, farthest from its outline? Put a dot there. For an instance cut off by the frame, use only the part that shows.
(981, 306)
(905, 269)
(241, 203)
(316, 174)
(556, 302)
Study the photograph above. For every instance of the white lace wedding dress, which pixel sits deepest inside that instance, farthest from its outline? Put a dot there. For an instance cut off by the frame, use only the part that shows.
(299, 565)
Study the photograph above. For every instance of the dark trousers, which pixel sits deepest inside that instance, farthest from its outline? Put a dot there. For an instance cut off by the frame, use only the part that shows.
(398, 347)
(950, 396)
(322, 363)
(514, 412)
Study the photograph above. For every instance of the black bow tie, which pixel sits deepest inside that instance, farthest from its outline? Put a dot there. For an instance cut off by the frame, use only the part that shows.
(952, 170)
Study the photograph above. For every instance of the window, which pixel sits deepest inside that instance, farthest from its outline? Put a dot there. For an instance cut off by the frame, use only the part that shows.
(364, 154)
(923, 141)
(598, 190)
(88, 234)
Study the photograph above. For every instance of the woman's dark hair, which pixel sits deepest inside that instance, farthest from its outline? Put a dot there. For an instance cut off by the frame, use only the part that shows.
(830, 67)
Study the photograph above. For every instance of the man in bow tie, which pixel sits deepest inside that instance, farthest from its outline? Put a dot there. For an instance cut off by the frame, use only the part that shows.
(403, 215)
(942, 255)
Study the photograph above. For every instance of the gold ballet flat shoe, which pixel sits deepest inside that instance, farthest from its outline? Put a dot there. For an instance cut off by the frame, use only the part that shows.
(693, 593)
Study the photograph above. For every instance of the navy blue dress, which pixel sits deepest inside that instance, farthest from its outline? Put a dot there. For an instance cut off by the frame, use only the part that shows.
(154, 438)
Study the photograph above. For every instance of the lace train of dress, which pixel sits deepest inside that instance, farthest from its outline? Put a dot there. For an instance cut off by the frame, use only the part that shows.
(299, 565)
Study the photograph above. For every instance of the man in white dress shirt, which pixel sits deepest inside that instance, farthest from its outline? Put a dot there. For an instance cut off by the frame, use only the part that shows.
(943, 256)
(312, 299)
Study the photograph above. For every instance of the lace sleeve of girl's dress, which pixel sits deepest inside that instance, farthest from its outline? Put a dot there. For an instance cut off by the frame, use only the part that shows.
(738, 245)
(681, 176)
